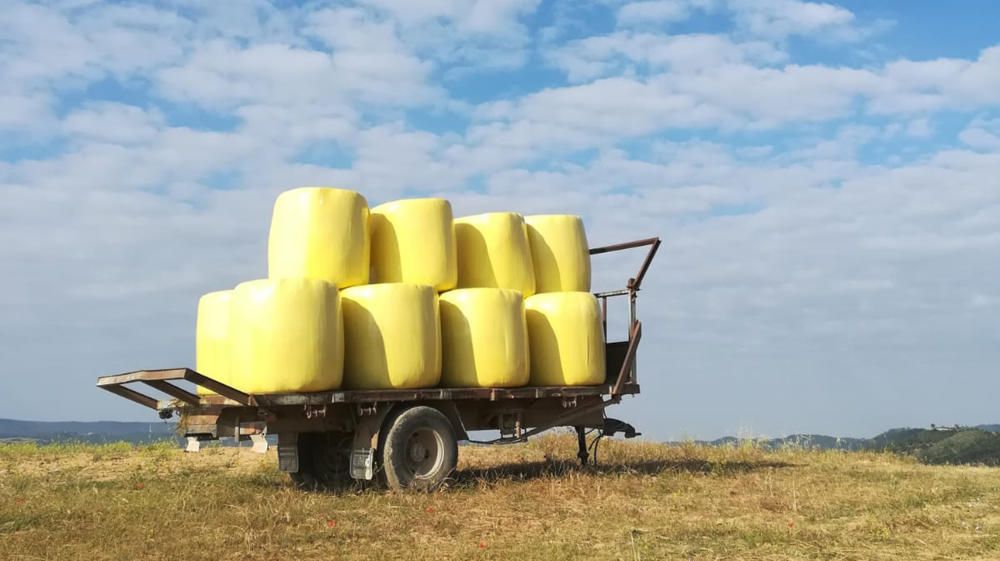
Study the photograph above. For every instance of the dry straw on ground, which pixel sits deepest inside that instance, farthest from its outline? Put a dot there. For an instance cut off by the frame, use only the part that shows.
(523, 502)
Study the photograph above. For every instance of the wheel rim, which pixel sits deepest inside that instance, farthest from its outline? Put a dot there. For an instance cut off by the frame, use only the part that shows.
(424, 453)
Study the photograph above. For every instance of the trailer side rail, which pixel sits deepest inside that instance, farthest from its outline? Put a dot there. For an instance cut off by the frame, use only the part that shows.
(162, 378)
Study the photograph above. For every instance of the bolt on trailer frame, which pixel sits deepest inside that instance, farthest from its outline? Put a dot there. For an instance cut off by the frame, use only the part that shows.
(408, 435)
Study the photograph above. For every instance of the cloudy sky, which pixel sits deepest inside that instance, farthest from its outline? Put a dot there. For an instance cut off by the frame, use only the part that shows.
(826, 179)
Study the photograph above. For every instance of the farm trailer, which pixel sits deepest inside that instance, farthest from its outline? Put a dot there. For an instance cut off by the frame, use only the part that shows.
(407, 437)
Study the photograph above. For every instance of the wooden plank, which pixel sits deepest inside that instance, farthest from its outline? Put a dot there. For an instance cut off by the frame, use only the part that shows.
(142, 376)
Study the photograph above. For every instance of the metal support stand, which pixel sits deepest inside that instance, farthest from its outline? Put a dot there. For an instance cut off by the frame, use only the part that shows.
(581, 441)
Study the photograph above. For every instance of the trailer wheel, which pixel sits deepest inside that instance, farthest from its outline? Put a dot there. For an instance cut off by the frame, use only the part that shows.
(324, 460)
(417, 449)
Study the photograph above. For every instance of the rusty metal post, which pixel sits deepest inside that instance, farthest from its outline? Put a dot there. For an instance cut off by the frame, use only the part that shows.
(604, 316)
(632, 314)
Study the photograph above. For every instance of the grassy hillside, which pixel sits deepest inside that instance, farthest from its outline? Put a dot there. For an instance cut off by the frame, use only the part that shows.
(954, 446)
(959, 446)
(964, 447)
(522, 502)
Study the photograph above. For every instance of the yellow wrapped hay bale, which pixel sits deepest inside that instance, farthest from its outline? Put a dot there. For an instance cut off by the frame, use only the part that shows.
(212, 337)
(413, 241)
(559, 253)
(565, 339)
(287, 336)
(392, 335)
(320, 233)
(484, 338)
(493, 252)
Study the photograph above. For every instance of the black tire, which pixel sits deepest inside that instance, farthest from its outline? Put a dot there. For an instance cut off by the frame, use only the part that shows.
(417, 449)
(324, 460)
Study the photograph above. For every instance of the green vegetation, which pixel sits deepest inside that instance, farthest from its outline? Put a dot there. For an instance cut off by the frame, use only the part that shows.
(964, 447)
(941, 446)
(526, 502)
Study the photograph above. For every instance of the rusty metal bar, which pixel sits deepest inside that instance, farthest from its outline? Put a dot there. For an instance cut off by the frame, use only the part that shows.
(645, 264)
(563, 419)
(234, 394)
(621, 246)
(604, 316)
(142, 376)
(634, 337)
(492, 394)
(155, 378)
(173, 391)
(130, 394)
(431, 394)
(610, 293)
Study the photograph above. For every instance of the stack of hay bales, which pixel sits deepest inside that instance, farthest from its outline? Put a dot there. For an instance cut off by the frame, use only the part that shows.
(404, 296)
(566, 337)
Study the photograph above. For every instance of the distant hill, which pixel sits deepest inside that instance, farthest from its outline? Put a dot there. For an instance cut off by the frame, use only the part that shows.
(809, 441)
(98, 431)
(973, 446)
(954, 445)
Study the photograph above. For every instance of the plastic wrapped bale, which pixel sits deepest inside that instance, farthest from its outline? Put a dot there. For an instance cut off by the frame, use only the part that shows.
(212, 337)
(393, 337)
(320, 233)
(413, 241)
(288, 336)
(559, 253)
(493, 252)
(484, 338)
(565, 339)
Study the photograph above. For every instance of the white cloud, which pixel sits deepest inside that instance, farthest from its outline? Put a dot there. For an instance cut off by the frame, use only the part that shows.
(737, 84)
(474, 35)
(469, 17)
(774, 20)
(653, 12)
(219, 74)
(920, 128)
(633, 53)
(781, 18)
(982, 134)
(913, 86)
(113, 122)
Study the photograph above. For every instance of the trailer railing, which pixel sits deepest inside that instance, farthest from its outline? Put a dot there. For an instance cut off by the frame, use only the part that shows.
(628, 373)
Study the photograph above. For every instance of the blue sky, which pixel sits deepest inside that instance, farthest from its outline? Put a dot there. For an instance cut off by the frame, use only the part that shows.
(824, 175)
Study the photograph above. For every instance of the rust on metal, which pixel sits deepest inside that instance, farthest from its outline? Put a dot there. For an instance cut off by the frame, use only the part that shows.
(218, 387)
(645, 264)
(160, 380)
(624, 245)
(430, 394)
(130, 394)
(173, 391)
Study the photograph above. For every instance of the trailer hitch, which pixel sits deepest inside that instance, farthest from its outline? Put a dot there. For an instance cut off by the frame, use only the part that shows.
(614, 426)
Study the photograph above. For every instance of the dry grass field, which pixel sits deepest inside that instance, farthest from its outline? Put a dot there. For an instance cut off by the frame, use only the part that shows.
(525, 502)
